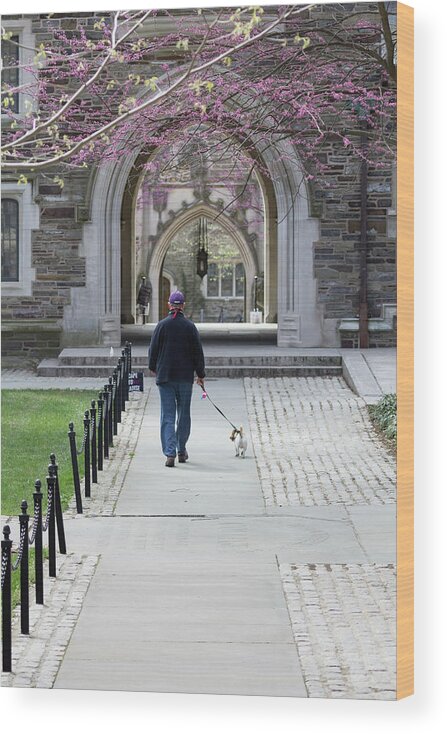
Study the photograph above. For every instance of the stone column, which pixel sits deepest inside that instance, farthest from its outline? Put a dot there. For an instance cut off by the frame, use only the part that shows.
(299, 320)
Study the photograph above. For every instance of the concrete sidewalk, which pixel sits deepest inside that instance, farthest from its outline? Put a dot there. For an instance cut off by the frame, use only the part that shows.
(194, 590)
(270, 575)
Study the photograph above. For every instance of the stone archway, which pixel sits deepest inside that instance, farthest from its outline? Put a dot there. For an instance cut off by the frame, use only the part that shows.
(94, 314)
(200, 210)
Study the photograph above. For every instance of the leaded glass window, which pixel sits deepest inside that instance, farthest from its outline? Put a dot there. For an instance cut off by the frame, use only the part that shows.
(10, 70)
(225, 280)
(212, 288)
(10, 240)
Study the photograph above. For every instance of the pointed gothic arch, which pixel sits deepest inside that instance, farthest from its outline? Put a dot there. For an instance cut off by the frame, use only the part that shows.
(202, 209)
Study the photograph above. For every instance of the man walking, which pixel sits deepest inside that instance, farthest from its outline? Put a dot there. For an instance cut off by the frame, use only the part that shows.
(175, 353)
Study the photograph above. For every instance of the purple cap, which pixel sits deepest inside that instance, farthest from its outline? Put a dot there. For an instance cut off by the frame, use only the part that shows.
(176, 298)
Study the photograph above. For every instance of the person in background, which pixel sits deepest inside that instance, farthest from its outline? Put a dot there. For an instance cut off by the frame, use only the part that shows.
(175, 354)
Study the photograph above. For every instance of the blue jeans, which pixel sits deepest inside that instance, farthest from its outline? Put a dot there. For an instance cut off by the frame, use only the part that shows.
(175, 398)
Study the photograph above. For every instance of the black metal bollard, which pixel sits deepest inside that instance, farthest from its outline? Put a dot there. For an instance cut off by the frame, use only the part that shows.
(87, 483)
(111, 431)
(51, 491)
(129, 349)
(129, 363)
(58, 508)
(127, 374)
(6, 601)
(24, 570)
(106, 421)
(129, 367)
(119, 389)
(115, 401)
(74, 464)
(125, 380)
(94, 446)
(100, 431)
(122, 370)
(38, 553)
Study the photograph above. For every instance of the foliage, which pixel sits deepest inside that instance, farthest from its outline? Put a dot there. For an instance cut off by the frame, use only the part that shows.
(34, 425)
(254, 76)
(384, 415)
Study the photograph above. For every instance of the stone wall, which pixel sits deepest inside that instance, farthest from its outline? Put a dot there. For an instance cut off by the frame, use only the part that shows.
(32, 325)
(58, 250)
(337, 252)
(59, 266)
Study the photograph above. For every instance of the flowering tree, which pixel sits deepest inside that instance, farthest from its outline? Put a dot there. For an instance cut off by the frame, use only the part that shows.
(242, 80)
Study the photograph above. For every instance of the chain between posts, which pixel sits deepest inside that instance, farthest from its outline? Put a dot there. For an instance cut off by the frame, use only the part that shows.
(35, 523)
(100, 409)
(84, 440)
(5, 561)
(18, 560)
(49, 507)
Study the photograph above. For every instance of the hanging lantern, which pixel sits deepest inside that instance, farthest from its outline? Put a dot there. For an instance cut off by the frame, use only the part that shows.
(202, 253)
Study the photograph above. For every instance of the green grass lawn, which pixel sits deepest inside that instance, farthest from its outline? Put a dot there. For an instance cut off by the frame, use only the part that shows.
(34, 425)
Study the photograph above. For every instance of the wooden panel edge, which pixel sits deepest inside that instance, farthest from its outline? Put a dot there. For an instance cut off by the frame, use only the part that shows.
(405, 352)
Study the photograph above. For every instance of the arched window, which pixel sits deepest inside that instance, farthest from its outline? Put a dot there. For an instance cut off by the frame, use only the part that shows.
(10, 240)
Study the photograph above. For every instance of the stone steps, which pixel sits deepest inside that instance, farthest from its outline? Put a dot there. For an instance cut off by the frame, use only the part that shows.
(140, 361)
(216, 367)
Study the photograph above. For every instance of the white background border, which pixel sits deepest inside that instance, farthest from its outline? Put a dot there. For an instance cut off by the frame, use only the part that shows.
(71, 711)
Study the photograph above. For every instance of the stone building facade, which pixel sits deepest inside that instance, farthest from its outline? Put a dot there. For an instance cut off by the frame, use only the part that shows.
(82, 250)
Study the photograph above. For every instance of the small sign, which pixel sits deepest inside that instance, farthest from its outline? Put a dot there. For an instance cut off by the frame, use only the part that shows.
(135, 382)
(144, 295)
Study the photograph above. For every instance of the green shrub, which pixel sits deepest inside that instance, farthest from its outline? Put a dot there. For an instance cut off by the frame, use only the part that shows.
(384, 415)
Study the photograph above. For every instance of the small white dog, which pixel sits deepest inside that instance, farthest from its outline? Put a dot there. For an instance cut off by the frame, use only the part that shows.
(240, 442)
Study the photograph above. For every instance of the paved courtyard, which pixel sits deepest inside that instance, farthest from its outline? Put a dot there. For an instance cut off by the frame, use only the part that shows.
(270, 575)
(315, 445)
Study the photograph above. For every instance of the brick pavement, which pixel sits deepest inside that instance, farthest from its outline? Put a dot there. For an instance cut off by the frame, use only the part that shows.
(314, 444)
(344, 623)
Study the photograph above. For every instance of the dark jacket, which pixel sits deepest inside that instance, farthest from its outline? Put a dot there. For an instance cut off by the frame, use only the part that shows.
(175, 351)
